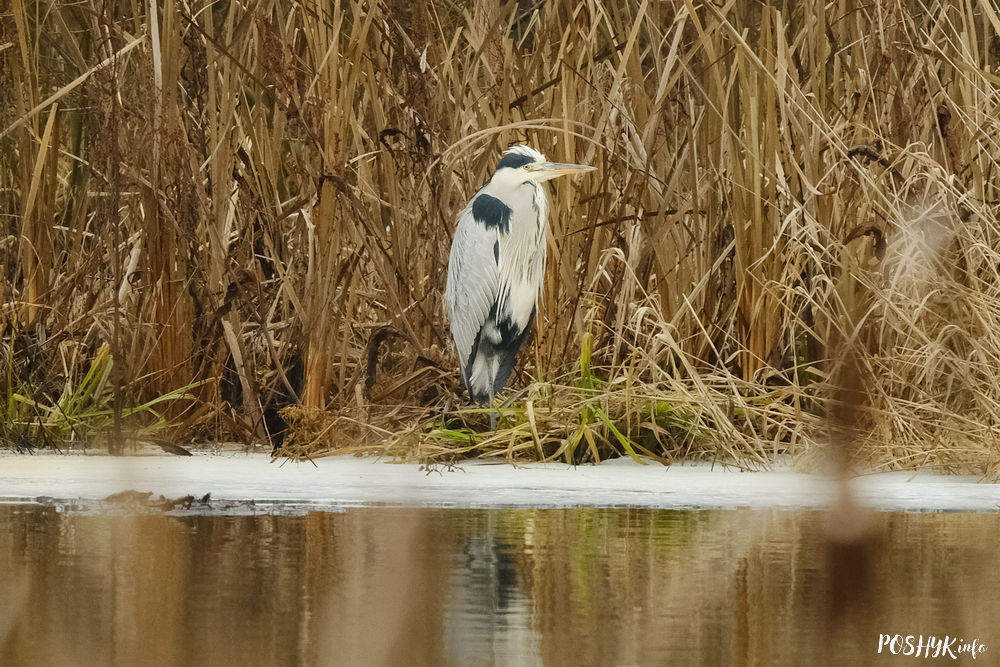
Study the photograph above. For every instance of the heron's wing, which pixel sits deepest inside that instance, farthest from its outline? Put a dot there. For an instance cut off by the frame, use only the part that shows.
(494, 277)
(473, 280)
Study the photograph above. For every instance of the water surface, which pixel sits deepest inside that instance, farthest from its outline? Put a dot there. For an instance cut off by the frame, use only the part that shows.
(400, 586)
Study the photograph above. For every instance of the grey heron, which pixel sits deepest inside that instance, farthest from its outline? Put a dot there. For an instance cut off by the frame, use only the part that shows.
(496, 268)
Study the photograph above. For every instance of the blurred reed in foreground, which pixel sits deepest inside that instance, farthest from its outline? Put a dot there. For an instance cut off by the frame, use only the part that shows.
(252, 205)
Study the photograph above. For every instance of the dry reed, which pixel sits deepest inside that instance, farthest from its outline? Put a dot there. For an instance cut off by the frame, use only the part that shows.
(259, 198)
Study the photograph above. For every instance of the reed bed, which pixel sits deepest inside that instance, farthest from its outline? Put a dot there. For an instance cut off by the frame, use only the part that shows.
(247, 209)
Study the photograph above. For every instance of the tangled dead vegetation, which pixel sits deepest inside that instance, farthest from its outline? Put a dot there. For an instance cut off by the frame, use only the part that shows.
(793, 231)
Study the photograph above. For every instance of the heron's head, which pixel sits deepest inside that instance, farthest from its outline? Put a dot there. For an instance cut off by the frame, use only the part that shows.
(523, 164)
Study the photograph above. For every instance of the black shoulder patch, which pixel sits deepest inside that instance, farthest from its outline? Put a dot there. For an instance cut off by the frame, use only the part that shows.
(515, 161)
(496, 252)
(491, 212)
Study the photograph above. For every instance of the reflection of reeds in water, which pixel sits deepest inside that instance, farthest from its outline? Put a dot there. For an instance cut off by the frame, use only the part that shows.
(377, 586)
(273, 219)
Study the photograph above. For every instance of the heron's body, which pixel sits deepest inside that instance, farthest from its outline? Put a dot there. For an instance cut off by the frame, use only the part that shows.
(496, 268)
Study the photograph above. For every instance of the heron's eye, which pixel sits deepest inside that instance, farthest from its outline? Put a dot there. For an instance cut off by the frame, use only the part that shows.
(525, 167)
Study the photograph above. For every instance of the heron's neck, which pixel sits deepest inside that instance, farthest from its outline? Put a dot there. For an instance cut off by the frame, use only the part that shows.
(540, 200)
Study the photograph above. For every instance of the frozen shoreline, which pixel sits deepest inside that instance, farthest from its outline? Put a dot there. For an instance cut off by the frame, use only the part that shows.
(340, 482)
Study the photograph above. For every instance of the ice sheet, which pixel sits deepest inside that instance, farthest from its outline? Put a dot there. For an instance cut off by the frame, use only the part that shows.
(342, 481)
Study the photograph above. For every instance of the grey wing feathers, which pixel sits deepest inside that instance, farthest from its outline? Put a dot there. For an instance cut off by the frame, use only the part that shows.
(494, 276)
(473, 282)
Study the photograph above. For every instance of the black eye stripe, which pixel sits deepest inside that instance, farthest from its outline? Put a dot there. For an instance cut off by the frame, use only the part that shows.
(515, 161)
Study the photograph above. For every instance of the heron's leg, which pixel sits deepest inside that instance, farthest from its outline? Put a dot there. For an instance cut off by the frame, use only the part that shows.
(493, 384)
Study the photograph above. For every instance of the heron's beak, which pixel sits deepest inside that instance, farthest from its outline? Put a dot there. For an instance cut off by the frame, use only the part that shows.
(544, 171)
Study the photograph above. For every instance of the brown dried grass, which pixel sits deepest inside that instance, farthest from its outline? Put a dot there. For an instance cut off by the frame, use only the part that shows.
(779, 190)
